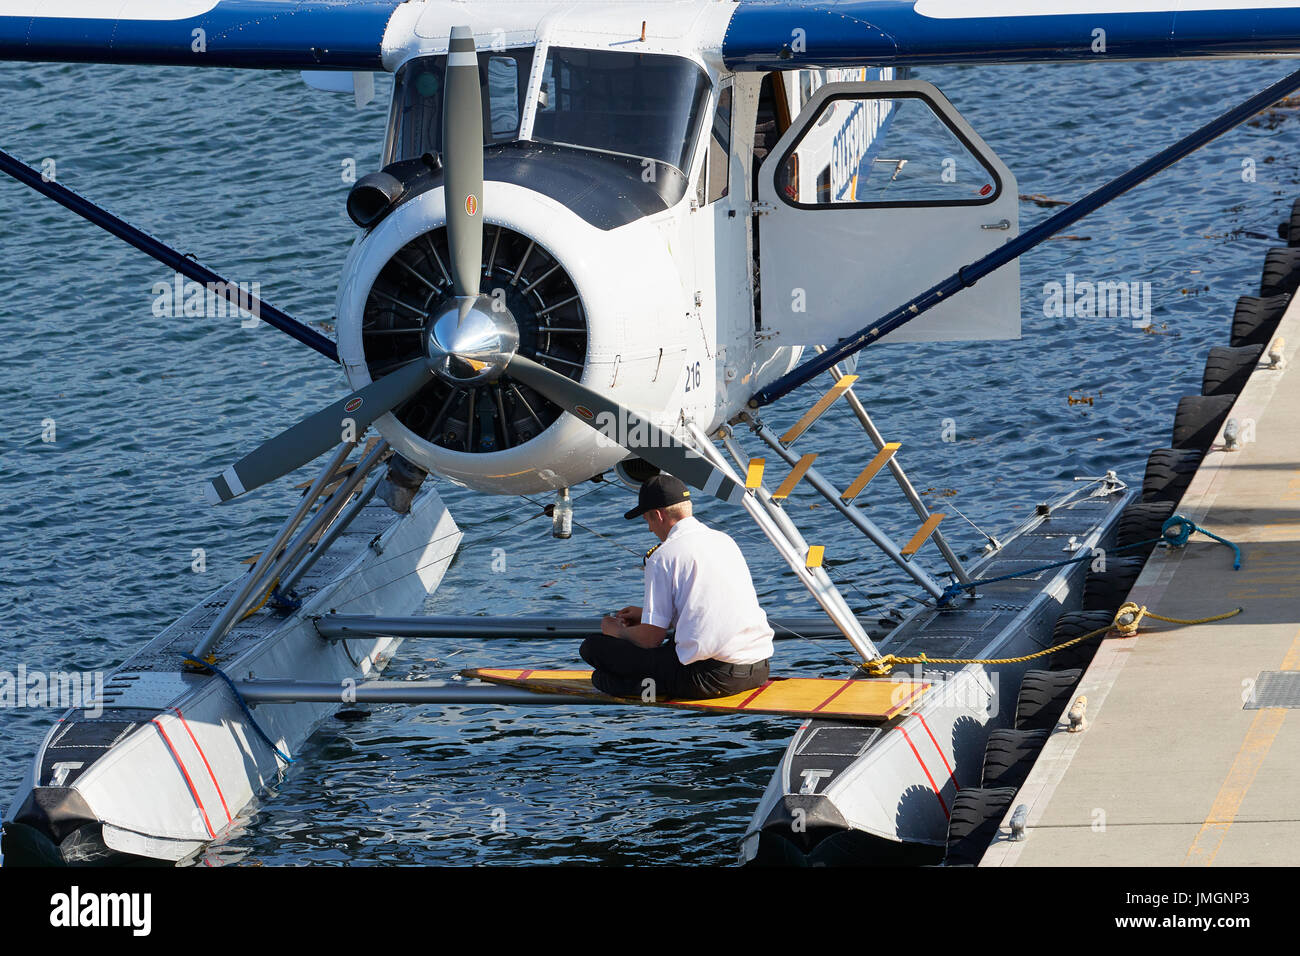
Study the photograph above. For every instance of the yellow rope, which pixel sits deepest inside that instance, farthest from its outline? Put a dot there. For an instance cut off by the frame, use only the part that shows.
(262, 603)
(1126, 622)
(1129, 616)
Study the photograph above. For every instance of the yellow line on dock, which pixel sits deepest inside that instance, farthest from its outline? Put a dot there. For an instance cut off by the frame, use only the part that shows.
(1259, 740)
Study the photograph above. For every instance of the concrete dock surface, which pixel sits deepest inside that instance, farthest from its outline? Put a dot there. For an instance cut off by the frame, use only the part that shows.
(1190, 756)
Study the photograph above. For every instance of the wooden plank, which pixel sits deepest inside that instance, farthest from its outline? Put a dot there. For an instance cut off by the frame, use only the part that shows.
(860, 482)
(796, 474)
(816, 553)
(754, 475)
(921, 535)
(872, 699)
(506, 675)
(816, 412)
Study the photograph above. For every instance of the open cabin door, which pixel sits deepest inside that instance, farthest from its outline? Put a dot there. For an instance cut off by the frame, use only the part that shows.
(875, 193)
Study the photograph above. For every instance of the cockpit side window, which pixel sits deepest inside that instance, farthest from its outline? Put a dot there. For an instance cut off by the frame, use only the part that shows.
(720, 147)
(415, 127)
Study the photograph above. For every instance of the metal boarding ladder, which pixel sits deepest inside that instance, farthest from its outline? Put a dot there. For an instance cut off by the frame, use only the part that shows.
(804, 561)
(896, 469)
(801, 469)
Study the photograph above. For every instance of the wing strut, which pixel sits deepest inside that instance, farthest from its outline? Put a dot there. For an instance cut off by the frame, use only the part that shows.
(165, 254)
(970, 274)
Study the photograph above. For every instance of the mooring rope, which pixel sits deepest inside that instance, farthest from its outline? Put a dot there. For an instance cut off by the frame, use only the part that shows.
(1126, 622)
(1178, 531)
(1129, 616)
(239, 698)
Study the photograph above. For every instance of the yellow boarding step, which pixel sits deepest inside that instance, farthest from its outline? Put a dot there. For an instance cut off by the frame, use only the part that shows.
(922, 535)
(867, 700)
(816, 412)
(860, 482)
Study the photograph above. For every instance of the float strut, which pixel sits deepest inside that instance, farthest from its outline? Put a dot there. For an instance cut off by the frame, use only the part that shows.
(403, 692)
(165, 254)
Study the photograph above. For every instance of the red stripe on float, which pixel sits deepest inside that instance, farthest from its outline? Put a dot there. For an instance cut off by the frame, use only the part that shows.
(942, 756)
(204, 758)
(759, 690)
(911, 696)
(186, 774)
(843, 687)
(927, 773)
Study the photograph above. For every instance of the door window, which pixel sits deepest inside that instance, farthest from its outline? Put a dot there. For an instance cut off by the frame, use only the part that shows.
(874, 151)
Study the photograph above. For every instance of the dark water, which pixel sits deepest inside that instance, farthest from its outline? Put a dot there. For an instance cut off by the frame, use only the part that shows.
(244, 170)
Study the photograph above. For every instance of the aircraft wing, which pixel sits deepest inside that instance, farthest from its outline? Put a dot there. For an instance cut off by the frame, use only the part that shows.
(267, 34)
(788, 34)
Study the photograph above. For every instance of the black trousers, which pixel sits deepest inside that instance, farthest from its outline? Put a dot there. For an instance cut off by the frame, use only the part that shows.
(622, 669)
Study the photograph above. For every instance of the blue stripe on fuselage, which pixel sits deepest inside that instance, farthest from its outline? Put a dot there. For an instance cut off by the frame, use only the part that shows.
(317, 35)
(762, 35)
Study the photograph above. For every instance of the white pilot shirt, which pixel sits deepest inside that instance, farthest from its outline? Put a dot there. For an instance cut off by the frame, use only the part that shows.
(698, 582)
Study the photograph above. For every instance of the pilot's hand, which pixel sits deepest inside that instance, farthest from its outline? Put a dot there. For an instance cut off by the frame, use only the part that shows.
(629, 616)
(611, 626)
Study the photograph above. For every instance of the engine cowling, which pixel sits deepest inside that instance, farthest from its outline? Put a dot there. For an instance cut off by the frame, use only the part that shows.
(606, 308)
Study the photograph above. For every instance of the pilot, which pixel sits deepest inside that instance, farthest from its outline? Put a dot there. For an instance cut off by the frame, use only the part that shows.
(696, 581)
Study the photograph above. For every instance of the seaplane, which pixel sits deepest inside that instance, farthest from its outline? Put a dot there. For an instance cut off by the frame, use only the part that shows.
(605, 237)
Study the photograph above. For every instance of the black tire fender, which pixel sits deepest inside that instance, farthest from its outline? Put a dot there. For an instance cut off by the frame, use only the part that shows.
(1199, 418)
(976, 813)
(1010, 755)
(1043, 696)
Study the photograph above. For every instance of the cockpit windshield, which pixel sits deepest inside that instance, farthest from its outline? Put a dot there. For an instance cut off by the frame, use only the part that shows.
(638, 104)
(644, 105)
(416, 122)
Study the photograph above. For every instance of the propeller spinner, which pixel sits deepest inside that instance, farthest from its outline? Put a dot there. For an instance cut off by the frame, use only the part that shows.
(471, 345)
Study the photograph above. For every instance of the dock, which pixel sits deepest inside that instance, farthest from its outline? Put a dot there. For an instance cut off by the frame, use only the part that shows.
(1189, 756)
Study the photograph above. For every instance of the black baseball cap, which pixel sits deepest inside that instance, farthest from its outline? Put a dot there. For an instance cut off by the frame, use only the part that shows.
(659, 492)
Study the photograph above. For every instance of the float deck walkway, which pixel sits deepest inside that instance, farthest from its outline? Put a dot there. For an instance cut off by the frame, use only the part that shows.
(1178, 765)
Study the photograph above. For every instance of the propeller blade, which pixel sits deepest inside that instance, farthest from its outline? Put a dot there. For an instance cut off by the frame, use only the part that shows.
(312, 437)
(462, 151)
(623, 425)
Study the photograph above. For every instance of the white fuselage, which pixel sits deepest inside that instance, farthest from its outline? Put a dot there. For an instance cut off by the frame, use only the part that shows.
(669, 298)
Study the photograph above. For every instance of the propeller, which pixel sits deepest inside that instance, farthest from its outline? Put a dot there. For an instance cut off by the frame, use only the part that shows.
(659, 447)
(471, 341)
(462, 125)
(462, 147)
(312, 437)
